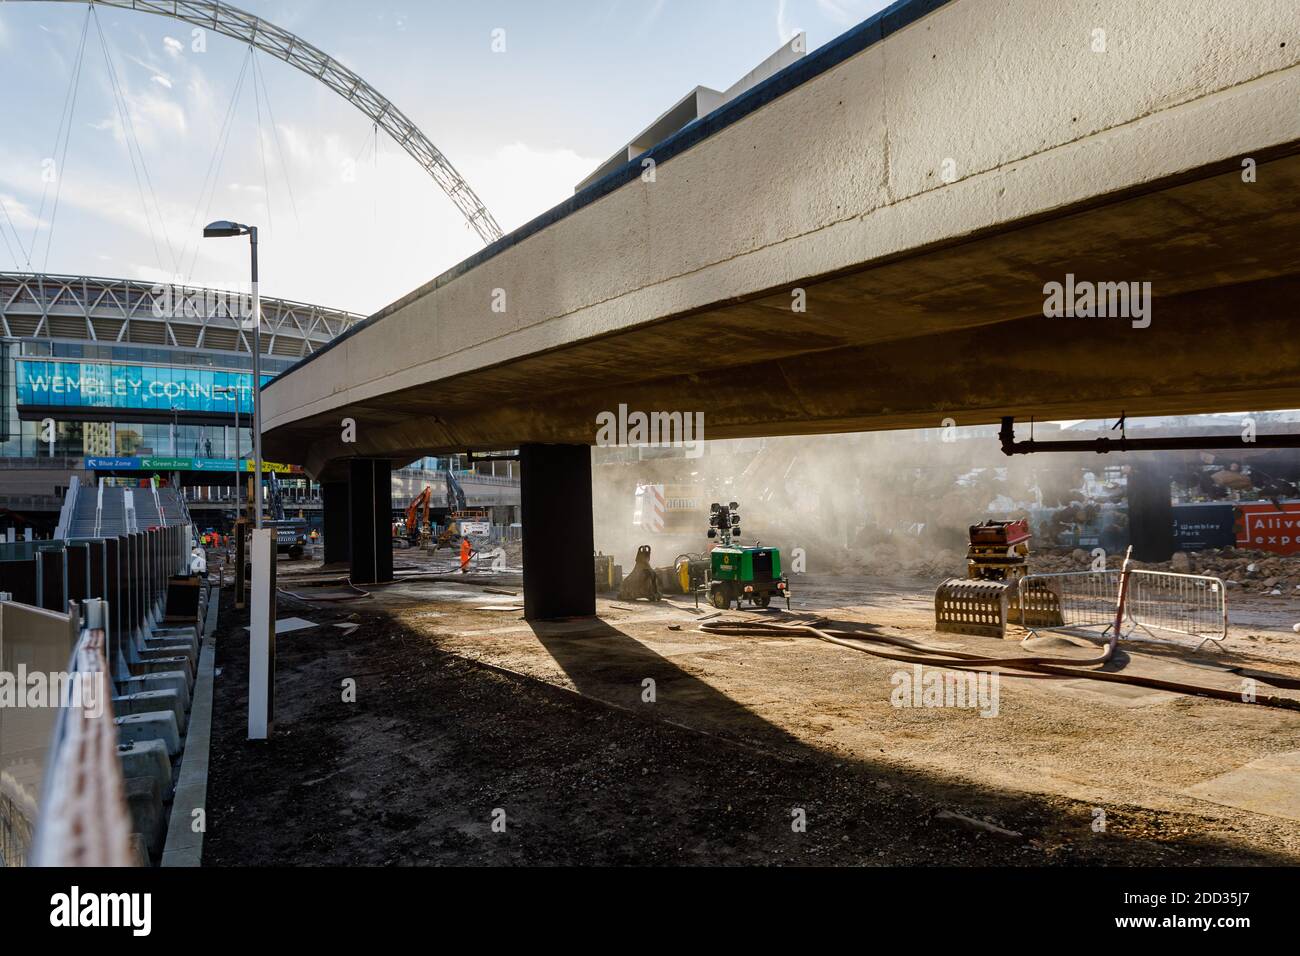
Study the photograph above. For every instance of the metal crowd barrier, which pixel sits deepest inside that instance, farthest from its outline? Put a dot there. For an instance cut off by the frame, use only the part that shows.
(1190, 604)
(1069, 599)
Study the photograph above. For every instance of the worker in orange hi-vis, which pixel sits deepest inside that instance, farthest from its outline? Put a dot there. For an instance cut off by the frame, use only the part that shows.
(464, 555)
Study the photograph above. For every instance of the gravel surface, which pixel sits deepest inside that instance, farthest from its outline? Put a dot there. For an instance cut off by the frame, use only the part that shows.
(464, 717)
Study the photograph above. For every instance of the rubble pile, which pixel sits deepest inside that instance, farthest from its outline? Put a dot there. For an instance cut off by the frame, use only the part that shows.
(1259, 571)
(1254, 571)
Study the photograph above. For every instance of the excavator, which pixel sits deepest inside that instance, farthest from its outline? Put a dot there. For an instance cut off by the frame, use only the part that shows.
(458, 512)
(418, 529)
(290, 533)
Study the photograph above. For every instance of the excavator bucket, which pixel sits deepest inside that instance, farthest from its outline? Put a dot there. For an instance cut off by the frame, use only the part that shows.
(966, 606)
(642, 582)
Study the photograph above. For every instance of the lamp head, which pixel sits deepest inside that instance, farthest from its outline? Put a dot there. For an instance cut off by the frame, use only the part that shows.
(224, 228)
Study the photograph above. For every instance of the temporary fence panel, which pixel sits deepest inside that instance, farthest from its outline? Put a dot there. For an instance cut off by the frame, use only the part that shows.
(1190, 604)
(1076, 599)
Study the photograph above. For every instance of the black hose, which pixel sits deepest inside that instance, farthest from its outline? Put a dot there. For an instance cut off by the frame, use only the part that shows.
(1033, 666)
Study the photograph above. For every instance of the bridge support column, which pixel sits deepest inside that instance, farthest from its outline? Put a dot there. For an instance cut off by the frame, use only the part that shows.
(334, 511)
(1150, 510)
(555, 495)
(370, 519)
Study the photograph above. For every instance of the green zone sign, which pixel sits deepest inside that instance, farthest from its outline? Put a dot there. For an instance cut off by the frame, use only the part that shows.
(182, 464)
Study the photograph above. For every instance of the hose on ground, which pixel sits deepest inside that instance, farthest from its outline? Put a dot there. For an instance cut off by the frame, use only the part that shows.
(1049, 667)
(1033, 666)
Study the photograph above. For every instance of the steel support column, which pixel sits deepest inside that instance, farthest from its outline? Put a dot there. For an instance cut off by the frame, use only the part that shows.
(1150, 510)
(555, 495)
(370, 519)
(334, 511)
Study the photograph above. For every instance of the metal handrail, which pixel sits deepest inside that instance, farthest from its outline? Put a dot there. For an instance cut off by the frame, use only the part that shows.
(83, 818)
(69, 507)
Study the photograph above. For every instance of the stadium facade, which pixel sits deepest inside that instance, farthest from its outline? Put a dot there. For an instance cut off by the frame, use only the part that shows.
(130, 379)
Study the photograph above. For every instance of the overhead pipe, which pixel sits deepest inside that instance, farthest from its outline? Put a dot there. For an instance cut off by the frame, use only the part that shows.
(1102, 446)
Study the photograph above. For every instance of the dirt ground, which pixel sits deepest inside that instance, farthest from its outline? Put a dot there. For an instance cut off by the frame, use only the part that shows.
(754, 750)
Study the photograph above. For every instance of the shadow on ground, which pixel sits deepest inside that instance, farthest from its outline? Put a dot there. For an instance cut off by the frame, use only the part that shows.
(436, 748)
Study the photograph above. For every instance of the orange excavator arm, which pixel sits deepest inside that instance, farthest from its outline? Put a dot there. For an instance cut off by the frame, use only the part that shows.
(413, 509)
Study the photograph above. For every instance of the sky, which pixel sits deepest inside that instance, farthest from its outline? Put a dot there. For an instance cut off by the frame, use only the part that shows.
(112, 168)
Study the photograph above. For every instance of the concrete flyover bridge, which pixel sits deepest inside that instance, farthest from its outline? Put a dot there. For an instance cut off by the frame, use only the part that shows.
(925, 187)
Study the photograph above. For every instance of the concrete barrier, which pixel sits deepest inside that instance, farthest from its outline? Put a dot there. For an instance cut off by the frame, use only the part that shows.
(148, 701)
(157, 725)
(148, 758)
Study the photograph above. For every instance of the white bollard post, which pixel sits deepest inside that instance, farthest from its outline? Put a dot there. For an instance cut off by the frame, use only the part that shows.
(261, 637)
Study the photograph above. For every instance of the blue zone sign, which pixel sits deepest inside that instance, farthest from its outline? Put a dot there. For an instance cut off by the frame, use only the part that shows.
(147, 387)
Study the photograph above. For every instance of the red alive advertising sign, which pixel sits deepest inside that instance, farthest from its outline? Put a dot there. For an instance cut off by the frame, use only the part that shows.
(1265, 528)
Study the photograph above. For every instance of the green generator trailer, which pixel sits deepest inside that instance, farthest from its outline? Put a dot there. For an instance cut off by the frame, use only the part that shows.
(737, 573)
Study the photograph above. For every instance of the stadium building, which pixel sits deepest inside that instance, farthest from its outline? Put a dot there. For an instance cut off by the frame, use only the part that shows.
(131, 380)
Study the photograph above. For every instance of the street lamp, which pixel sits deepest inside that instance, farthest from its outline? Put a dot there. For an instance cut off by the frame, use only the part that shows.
(224, 229)
(261, 616)
(239, 459)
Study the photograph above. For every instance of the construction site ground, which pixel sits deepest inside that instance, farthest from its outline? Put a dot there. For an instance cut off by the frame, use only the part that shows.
(466, 715)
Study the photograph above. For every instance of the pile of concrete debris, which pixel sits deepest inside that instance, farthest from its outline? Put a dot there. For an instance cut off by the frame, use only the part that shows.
(1260, 571)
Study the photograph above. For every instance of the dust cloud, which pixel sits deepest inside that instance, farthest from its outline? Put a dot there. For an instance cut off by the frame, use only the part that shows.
(852, 502)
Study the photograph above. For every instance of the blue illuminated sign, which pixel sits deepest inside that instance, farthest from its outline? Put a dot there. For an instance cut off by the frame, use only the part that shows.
(146, 387)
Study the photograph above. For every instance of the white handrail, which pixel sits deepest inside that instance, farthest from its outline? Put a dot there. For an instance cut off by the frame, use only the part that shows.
(69, 508)
(128, 510)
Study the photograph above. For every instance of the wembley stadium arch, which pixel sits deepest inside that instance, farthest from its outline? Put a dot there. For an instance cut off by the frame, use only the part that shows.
(241, 25)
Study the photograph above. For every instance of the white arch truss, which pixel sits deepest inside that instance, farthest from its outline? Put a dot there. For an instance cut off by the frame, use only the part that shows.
(241, 25)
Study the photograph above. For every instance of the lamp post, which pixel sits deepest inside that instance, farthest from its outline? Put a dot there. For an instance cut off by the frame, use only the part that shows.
(261, 617)
(220, 230)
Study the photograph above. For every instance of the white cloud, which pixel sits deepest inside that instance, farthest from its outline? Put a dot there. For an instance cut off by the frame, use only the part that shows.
(114, 204)
(19, 213)
(172, 46)
(155, 74)
(520, 181)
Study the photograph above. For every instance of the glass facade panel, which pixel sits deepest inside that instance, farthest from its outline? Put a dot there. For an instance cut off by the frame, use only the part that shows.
(50, 384)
